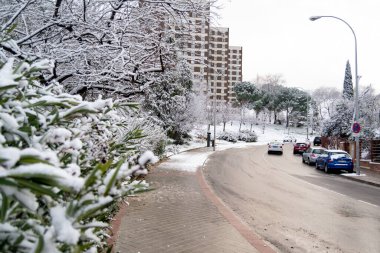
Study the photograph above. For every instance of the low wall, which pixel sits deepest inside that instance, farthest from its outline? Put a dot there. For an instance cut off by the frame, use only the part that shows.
(365, 164)
(374, 166)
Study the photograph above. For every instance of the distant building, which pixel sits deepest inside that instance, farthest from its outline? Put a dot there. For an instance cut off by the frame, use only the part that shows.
(195, 48)
(216, 66)
(218, 62)
(235, 70)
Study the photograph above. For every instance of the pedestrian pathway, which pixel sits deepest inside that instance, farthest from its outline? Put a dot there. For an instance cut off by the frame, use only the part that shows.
(176, 217)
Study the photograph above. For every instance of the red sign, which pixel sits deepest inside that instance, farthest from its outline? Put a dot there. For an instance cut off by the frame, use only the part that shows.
(356, 127)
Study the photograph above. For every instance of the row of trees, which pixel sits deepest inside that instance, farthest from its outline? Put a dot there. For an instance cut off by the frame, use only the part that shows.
(272, 98)
(329, 111)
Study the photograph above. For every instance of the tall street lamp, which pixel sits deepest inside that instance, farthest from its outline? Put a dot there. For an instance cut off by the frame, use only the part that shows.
(356, 114)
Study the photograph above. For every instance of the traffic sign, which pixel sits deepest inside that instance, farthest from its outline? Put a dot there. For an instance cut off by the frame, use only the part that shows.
(356, 128)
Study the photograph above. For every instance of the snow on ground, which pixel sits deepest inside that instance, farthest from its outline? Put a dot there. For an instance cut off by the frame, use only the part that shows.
(190, 161)
(353, 175)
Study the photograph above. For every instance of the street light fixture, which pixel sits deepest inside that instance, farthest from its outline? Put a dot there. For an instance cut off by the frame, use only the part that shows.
(356, 114)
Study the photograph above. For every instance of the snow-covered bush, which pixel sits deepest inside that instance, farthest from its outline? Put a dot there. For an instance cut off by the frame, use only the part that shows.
(228, 136)
(247, 136)
(63, 161)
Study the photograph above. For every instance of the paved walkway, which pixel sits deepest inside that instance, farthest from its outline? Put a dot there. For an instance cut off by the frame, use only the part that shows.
(182, 214)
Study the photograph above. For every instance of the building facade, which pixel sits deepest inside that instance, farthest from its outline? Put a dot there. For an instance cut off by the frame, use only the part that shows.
(216, 65)
(235, 70)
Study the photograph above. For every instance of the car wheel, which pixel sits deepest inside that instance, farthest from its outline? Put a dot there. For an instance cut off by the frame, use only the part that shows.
(327, 170)
(316, 166)
(268, 152)
(294, 152)
(308, 161)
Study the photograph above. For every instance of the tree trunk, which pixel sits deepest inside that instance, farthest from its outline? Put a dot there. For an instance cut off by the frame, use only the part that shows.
(287, 118)
(270, 116)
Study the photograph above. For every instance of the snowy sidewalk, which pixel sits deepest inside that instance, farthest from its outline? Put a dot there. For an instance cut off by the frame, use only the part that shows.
(182, 215)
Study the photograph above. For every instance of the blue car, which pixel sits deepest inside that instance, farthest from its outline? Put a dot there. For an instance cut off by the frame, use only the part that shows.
(334, 160)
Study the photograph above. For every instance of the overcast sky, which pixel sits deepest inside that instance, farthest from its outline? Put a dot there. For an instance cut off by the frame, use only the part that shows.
(278, 38)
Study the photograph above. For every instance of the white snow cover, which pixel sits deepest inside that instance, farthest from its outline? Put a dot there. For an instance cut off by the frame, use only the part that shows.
(9, 122)
(11, 155)
(23, 195)
(6, 227)
(73, 169)
(63, 226)
(147, 156)
(45, 171)
(47, 155)
(58, 135)
(7, 75)
(44, 64)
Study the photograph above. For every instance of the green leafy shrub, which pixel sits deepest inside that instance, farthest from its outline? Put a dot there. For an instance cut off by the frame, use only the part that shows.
(63, 161)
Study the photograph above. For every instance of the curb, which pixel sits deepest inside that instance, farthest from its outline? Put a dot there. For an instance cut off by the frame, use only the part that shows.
(115, 224)
(361, 181)
(244, 230)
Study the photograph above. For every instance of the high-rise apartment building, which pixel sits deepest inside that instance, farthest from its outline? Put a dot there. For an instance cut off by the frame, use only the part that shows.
(218, 62)
(195, 47)
(235, 70)
(217, 67)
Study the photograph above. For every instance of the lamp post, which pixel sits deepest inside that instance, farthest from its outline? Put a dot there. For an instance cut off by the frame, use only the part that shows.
(356, 114)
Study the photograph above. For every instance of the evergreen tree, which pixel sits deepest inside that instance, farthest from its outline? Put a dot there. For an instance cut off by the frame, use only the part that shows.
(348, 90)
(339, 125)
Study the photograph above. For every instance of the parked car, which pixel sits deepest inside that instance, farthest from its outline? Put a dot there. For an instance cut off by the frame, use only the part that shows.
(289, 139)
(334, 160)
(275, 147)
(300, 147)
(311, 154)
(317, 141)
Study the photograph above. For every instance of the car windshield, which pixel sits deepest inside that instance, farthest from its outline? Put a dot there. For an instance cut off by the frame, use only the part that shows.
(317, 151)
(336, 155)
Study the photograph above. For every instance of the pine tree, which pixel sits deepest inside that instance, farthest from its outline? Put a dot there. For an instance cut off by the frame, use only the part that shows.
(348, 90)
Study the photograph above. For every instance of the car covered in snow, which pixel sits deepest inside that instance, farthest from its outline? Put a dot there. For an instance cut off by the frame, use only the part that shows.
(275, 147)
(311, 154)
(335, 160)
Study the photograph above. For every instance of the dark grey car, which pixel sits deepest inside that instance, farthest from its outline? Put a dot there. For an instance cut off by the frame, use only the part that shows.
(311, 155)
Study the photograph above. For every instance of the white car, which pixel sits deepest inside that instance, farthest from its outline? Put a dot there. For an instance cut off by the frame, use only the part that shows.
(275, 147)
(289, 139)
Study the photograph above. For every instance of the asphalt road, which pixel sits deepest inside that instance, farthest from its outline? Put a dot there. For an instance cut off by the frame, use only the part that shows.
(292, 205)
